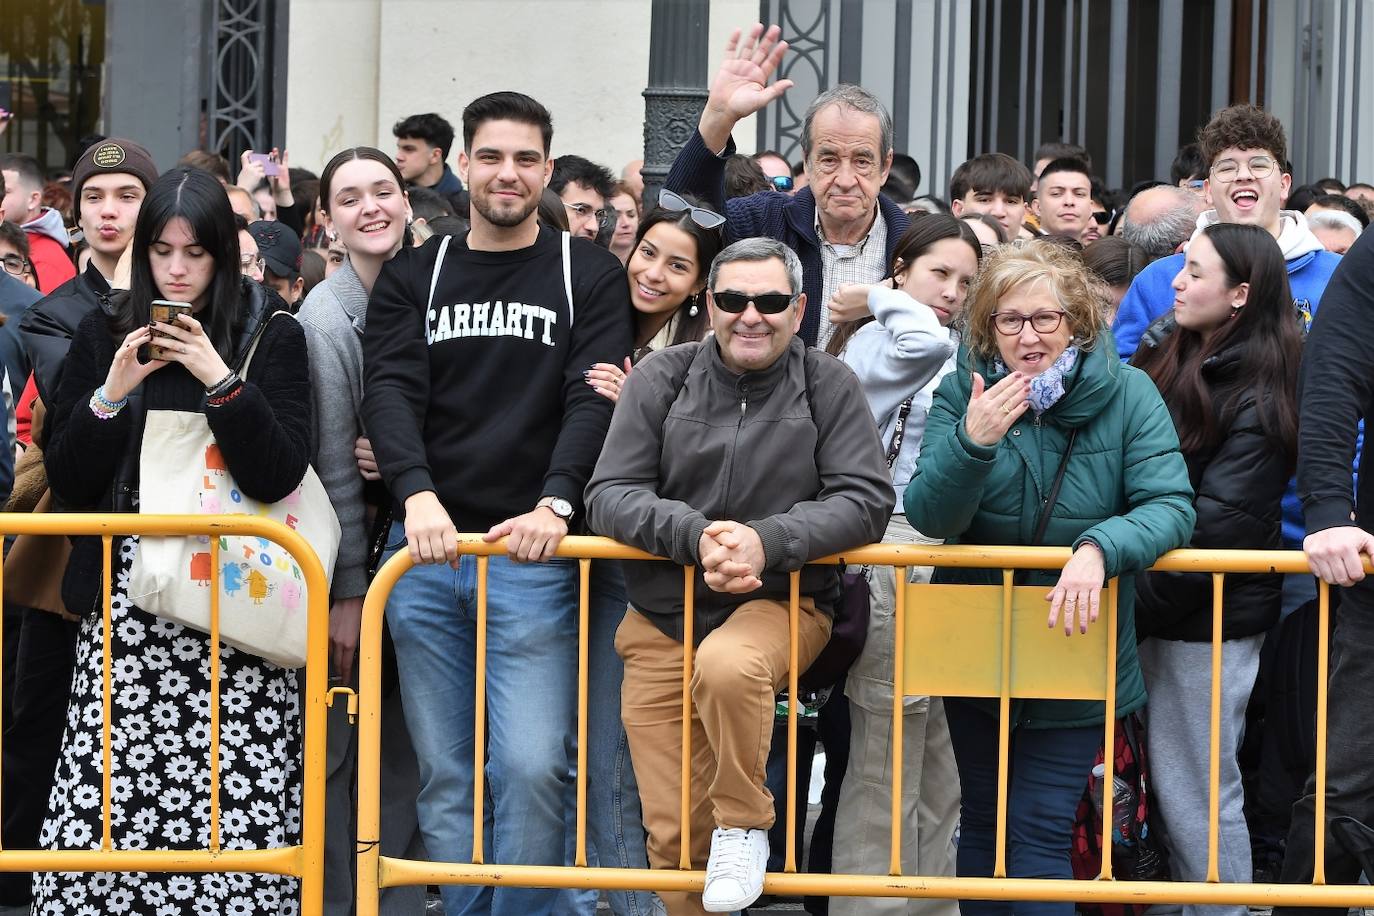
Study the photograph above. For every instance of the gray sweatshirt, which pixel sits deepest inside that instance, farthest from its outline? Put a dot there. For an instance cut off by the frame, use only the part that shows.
(904, 352)
(334, 316)
(790, 450)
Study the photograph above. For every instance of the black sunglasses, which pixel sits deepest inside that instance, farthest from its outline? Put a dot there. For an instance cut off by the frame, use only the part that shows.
(766, 303)
(706, 219)
(1101, 217)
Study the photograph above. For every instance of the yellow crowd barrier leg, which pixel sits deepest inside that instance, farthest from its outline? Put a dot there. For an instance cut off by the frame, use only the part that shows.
(894, 862)
(214, 695)
(584, 568)
(1323, 665)
(1214, 748)
(999, 866)
(789, 863)
(1109, 730)
(479, 751)
(105, 756)
(688, 631)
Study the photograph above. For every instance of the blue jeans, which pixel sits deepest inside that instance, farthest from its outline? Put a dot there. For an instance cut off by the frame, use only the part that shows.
(615, 826)
(1050, 768)
(531, 683)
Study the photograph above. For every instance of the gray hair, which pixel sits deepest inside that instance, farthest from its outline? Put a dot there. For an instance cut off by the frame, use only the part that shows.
(1335, 219)
(759, 249)
(858, 99)
(1161, 236)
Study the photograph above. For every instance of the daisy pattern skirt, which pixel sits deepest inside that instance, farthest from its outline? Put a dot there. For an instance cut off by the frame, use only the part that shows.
(160, 780)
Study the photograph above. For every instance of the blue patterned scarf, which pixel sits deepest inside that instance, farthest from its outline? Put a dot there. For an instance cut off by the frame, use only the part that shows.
(1047, 387)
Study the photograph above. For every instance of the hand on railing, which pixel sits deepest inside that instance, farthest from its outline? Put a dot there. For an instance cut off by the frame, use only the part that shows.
(534, 536)
(732, 557)
(430, 535)
(1337, 555)
(1079, 589)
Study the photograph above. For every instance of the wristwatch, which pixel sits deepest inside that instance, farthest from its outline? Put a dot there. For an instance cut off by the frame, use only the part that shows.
(558, 505)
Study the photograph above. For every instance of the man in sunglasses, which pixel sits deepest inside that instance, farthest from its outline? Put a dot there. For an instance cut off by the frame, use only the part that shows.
(841, 227)
(745, 456)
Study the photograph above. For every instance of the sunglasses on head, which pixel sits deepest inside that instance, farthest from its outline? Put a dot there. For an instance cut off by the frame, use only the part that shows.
(706, 219)
(766, 303)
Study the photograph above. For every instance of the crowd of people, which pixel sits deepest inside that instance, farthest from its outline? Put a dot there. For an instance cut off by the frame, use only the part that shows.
(758, 365)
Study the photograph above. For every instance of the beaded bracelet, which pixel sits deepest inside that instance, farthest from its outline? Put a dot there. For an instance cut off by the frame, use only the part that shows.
(223, 384)
(100, 407)
(110, 406)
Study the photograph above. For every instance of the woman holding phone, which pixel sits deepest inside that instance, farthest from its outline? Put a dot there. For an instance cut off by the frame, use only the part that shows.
(185, 249)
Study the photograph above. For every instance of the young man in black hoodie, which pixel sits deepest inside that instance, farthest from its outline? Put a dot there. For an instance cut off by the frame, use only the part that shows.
(481, 420)
(1337, 391)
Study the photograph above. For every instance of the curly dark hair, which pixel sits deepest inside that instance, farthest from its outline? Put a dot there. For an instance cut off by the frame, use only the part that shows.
(1243, 127)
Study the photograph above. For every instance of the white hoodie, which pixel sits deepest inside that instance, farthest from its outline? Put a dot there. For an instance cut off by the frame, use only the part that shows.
(1295, 238)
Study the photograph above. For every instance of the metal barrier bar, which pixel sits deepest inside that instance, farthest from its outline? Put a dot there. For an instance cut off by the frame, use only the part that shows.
(894, 864)
(793, 617)
(584, 570)
(304, 861)
(1323, 665)
(479, 750)
(1214, 748)
(999, 865)
(376, 871)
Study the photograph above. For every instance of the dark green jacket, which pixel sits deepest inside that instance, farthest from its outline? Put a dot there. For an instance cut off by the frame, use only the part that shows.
(1126, 488)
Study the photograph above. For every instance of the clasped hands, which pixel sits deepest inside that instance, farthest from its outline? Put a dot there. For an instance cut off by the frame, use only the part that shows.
(732, 557)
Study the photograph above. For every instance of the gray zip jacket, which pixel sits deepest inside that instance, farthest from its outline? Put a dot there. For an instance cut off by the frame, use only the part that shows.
(790, 450)
(334, 316)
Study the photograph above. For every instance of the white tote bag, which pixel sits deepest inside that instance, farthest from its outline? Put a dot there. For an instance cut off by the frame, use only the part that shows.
(263, 599)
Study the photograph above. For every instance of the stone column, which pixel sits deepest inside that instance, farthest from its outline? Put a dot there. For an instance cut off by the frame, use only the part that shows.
(677, 90)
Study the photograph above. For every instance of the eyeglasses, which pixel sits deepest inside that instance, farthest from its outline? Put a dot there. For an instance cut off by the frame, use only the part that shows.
(1101, 217)
(251, 262)
(1226, 170)
(766, 303)
(16, 264)
(706, 219)
(1197, 184)
(781, 183)
(603, 216)
(1009, 324)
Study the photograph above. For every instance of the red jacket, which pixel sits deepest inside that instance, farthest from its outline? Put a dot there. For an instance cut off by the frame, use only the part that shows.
(50, 262)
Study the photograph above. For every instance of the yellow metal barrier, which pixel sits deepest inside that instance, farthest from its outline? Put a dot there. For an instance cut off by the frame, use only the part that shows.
(987, 641)
(304, 861)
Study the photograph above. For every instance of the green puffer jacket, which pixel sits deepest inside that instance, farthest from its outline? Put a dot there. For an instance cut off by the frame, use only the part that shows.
(1126, 488)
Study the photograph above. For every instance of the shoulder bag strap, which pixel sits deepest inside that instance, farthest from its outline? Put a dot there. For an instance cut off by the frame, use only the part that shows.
(898, 430)
(1044, 520)
(434, 274)
(567, 276)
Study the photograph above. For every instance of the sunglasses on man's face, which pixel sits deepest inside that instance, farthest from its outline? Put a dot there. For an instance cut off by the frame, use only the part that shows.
(781, 183)
(766, 303)
(1101, 217)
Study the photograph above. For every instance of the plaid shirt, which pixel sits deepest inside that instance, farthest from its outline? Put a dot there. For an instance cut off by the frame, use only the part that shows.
(865, 262)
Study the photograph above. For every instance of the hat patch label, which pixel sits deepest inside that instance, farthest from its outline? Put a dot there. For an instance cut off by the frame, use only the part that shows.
(108, 156)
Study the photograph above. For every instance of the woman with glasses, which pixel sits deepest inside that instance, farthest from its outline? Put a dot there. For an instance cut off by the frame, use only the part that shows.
(1226, 362)
(14, 254)
(673, 250)
(1038, 396)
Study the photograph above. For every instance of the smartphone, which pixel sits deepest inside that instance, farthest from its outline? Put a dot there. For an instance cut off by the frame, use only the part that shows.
(270, 168)
(165, 311)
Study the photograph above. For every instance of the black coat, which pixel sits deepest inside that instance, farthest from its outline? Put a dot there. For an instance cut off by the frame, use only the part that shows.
(264, 432)
(1239, 486)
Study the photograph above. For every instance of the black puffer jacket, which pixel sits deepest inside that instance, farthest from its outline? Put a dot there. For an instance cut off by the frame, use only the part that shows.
(1239, 487)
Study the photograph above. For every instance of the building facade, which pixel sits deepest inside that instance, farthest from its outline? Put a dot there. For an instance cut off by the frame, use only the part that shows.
(1129, 79)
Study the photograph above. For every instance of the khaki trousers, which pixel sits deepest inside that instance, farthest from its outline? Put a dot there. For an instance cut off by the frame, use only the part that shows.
(737, 671)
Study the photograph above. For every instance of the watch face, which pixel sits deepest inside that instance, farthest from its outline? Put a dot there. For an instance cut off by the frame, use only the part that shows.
(561, 507)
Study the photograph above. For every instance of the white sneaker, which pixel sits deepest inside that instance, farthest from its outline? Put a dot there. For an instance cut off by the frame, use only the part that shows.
(734, 873)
